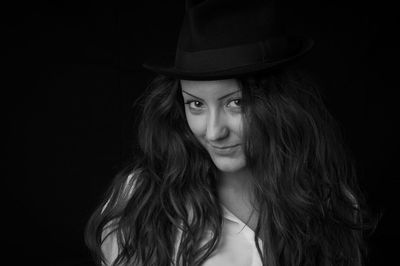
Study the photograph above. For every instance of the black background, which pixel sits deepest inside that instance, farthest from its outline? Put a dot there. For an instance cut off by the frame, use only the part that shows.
(73, 70)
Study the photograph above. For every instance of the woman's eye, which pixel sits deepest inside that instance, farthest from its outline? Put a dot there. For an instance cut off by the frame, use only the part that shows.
(194, 104)
(237, 103)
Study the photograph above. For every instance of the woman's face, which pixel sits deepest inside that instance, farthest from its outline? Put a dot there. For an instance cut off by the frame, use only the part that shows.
(213, 111)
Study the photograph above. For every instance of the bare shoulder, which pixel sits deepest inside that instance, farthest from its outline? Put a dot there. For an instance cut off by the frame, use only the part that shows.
(119, 197)
(109, 245)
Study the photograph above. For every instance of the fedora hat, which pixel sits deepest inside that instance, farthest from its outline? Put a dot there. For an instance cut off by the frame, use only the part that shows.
(222, 39)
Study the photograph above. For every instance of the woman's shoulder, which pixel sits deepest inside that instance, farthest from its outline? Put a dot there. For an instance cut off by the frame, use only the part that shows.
(109, 246)
(121, 193)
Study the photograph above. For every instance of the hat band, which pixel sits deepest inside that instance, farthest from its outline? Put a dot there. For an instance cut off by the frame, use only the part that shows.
(269, 50)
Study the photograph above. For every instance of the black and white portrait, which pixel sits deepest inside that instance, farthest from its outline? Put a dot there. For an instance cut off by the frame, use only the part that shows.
(200, 132)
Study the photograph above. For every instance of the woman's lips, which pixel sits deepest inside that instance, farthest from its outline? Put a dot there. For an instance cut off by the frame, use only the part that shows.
(225, 150)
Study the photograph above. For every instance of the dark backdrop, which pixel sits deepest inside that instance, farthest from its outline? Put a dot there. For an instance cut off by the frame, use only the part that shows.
(73, 70)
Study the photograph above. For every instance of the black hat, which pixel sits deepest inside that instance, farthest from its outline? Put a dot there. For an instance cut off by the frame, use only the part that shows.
(226, 38)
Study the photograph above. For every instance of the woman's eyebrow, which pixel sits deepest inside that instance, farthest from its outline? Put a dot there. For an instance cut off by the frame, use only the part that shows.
(220, 98)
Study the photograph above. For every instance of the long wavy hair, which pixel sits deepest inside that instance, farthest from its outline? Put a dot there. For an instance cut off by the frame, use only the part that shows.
(304, 182)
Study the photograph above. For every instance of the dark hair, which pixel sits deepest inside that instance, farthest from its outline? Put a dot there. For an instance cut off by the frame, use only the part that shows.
(307, 197)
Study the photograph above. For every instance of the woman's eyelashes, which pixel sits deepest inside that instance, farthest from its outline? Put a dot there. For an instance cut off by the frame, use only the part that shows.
(194, 104)
(237, 103)
(197, 106)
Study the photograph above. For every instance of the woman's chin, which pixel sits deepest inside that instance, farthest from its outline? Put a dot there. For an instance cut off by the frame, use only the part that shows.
(229, 165)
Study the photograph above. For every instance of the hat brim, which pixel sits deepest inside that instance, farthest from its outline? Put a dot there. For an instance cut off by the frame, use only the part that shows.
(164, 65)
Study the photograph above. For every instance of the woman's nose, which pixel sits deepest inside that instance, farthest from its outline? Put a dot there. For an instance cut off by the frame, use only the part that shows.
(217, 127)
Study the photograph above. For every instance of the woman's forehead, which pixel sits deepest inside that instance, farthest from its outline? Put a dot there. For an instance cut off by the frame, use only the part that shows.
(214, 88)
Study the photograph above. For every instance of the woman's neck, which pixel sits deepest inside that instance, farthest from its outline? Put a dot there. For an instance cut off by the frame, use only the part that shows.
(234, 185)
(239, 179)
(235, 194)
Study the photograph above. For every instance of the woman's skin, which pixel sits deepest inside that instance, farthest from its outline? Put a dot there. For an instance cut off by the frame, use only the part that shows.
(213, 112)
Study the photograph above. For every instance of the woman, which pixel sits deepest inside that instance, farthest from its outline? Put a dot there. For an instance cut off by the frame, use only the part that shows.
(239, 162)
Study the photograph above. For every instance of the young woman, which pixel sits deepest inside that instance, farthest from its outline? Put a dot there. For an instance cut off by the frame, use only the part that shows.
(239, 161)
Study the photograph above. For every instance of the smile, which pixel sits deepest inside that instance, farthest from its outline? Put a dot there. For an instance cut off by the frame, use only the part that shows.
(227, 150)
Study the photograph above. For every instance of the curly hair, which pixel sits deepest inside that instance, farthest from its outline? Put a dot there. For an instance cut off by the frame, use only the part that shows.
(304, 182)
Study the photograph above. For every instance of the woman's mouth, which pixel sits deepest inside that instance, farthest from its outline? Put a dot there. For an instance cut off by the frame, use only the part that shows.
(224, 150)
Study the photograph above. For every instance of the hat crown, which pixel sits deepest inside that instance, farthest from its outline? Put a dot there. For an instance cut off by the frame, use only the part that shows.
(211, 24)
(226, 38)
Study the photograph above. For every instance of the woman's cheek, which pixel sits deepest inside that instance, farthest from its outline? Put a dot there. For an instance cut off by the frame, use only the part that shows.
(239, 126)
(196, 124)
